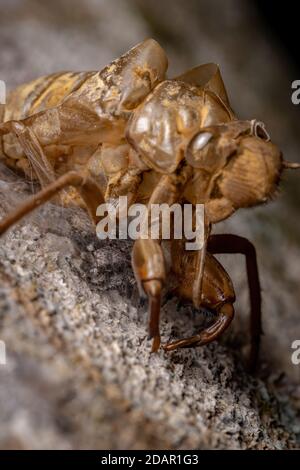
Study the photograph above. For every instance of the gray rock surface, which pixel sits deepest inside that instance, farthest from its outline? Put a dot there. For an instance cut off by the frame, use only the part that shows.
(68, 314)
(79, 373)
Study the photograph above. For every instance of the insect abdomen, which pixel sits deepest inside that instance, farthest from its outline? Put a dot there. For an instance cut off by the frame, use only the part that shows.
(33, 97)
(41, 94)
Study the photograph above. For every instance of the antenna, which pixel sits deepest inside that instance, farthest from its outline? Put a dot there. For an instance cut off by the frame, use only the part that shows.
(290, 165)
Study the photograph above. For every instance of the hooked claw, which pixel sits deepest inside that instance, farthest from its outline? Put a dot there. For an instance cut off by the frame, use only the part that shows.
(182, 343)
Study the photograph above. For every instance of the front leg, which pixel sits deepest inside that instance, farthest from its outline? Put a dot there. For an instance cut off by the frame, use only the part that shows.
(217, 293)
(149, 269)
(225, 316)
(147, 256)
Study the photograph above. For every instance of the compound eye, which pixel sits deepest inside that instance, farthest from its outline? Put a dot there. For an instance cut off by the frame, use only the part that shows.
(200, 141)
(258, 129)
(194, 155)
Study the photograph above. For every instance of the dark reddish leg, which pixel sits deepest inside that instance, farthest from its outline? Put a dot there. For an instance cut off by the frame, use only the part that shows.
(224, 318)
(149, 269)
(87, 188)
(234, 244)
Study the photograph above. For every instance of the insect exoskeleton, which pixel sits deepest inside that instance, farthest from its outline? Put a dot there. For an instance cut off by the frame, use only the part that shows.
(238, 161)
(217, 285)
(71, 114)
(128, 130)
(162, 126)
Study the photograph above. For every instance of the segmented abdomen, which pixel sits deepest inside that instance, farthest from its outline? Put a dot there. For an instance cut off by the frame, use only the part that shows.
(42, 93)
(30, 98)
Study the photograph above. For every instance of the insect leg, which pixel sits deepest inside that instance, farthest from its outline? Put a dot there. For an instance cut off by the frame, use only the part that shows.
(197, 287)
(234, 244)
(225, 316)
(149, 269)
(215, 211)
(87, 188)
(147, 256)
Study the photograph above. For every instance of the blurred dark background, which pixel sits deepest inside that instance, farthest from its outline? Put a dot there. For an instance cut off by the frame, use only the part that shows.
(282, 20)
